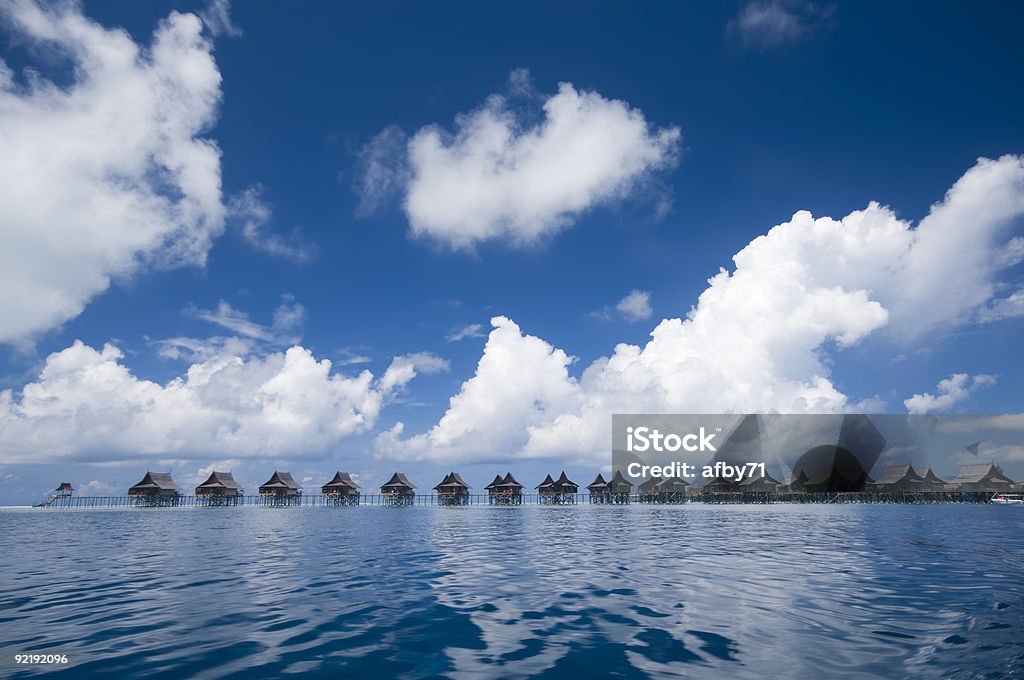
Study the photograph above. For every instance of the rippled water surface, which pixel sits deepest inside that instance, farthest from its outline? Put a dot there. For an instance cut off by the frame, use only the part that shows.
(636, 591)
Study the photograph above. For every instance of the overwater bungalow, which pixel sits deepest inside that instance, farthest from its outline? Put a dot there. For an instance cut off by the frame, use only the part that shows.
(220, 488)
(899, 478)
(505, 490)
(646, 489)
(987, 477)
(721, 485)
(598, 489)
(761, 484)
(794, 482)
(398, 490)
(619, 489)
(341, 490)
(671, 490)
(558, 491)
(65, 490)
(156, 488)
(452, 490)
(281, 489)
(931, 480)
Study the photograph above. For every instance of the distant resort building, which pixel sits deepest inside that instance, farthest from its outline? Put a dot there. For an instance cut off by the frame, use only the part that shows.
(65, 490)
(931, 480)
(671, 490)
(983, 477)
(899, 478)
(598, 489)
(646, 489)
(220, 488)
(619, 489)
(504, 491)
(762, 484)
(281, 489)
(341, 490)
(398, 490)
(452, 490)
(558, 491)
(156, 488)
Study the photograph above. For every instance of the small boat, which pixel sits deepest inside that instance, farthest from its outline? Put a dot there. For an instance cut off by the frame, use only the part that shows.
(1008, 499)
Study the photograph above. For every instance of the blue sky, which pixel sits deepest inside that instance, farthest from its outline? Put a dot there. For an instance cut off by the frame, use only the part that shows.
(688, 131)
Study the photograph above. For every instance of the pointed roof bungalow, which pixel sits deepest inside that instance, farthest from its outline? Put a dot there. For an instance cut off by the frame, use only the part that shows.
(646, 488)
(565, 485)
(671, 486)
(452, 487)
(398, 485)
(341, 484)
(620, 484)
(490, 488)
(220, 484)
(900, 478)
(509, 482)
(65, 489)
(931, 480)
(155, 484)
(982, 477)
(765, 483)
(547, 486)
(280, 484)
(598, 486)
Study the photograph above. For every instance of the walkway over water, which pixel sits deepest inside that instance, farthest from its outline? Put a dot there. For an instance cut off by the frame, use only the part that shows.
(321, 501)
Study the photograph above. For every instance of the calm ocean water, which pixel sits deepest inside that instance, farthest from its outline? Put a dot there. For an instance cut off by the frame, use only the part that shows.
(636, 591)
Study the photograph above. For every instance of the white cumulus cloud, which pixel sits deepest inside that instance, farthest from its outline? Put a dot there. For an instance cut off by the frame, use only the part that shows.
(953, 390)
(499, 177)
(636, 306)
(108, 173)
(761, 337)
(87, 405)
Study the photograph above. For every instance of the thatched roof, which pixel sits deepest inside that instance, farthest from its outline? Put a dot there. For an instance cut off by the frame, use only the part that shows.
(494, 484)
(281, 480)
(929, 476)
(341, 480)
(766, 479)
(564, 482)
(509, 482)
(974, 474)
(671, 485)
(155, 481)
(648, 486)
(452, 481)
(620, 484)
(220, 480)
(598, 484)
(64, 486)
(397, 482)
(894, 474)
(547, 483)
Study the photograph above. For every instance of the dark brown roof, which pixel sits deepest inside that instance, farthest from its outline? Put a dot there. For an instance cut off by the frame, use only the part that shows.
(398, 480)
(223, 480)
(496, 482)
(65, 486)
(281, 480)
(929, 476)
(547, 483)
(562, 482)
(452, 481)
(972, 474)
(898, 473)
(510, 481)
(668, 483)
(648, 486)
(598, 483)
(766, 478)
(341, 479)
(156, 481)
(619, 479)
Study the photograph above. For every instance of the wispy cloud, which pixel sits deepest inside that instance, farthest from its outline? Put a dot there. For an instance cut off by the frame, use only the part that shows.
(473, 330)
(253, 214)
(765, 24)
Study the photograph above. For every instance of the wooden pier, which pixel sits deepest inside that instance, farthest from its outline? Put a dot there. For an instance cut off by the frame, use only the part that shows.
(484, 499)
